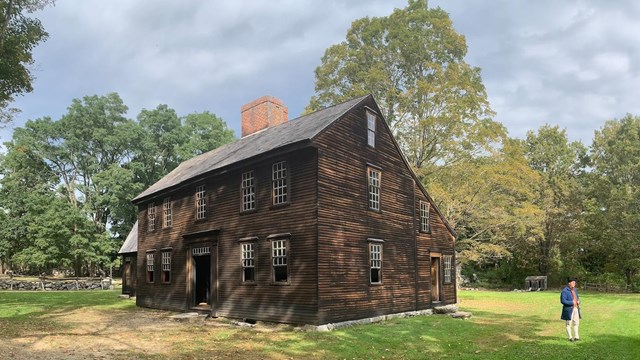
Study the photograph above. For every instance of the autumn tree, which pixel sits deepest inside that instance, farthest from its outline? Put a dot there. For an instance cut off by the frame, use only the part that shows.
(412, 61)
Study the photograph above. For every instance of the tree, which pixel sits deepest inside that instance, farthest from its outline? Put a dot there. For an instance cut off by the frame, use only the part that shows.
(612, 204)
(413, 63)
(204, 132)
(19, 34)
(489, 202)
(559, 163)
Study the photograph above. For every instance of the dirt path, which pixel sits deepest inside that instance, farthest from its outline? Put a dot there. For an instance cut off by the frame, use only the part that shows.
(90, 334)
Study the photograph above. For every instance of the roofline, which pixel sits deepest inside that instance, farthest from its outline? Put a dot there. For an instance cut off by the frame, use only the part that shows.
(219, 171)
(413, 174)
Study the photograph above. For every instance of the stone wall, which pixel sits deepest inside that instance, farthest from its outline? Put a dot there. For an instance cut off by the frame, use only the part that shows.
(56, 285)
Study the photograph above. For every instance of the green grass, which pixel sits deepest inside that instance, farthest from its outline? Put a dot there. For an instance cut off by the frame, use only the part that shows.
(505, 325)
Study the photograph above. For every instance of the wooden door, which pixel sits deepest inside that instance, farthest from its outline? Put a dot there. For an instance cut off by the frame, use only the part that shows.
(435, 279)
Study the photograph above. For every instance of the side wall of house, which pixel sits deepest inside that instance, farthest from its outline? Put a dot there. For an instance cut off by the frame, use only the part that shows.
(347, 226)
(294, 302)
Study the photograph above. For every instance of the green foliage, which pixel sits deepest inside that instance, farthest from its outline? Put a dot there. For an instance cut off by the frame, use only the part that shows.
(66, 185)
(19, 34)
(412, 61)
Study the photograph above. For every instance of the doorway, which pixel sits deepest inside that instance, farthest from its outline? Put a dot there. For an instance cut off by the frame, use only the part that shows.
(127, 277)
(435, 279)
(201, 277)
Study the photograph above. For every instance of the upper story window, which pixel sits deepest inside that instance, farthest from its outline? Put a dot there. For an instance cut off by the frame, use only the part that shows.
(371, 129)
(150, 269)
(166, 211)
(375, 263)
(279, 177)
(279, 261)
(248, 191)
(374, 177)
(424, 216)
(248, 262)
(151, 217)
(166, 266)
(201, 203)
(447, 268)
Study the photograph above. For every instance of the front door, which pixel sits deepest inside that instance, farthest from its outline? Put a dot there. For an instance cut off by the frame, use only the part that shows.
(127, 276)
(203, 276)
(435, 279)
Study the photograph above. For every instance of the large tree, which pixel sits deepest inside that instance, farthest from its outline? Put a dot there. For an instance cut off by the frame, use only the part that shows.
(19, 34)
(612, 204)
(559, 162)
(413, 63)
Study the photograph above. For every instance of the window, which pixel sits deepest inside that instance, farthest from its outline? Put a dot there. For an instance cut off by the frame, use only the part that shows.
(375, 263)
(150, 259)
(248, 191)
(166, 208)
(374, 189)
(447, 268)
(248, 262)
(151, 216)
(279, 260)
(201, 203)
(424, 216)
(279, 183)
(371, 129)
(166, 266)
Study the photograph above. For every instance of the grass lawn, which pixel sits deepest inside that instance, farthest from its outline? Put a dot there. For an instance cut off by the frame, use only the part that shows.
(505, 325)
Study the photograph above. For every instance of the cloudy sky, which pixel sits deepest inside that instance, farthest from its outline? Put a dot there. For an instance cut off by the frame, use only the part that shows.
(571, 63)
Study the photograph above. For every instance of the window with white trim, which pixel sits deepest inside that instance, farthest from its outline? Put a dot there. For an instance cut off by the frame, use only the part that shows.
(447, 268)
(151, 217)
(248, 191)
(371, 129)
(374, 176)
(166, 266)
(375, 263)
(424, 216)
(150, 269)
(248, 262)
(201, 203)
(166, 211)
(279, 261)
(279, 177)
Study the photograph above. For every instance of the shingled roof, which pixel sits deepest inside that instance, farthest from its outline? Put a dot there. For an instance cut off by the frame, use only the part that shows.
(293, 131)
(131, 243)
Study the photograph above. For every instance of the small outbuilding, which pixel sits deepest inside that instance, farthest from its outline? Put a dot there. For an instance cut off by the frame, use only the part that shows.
(129, 252)
(535, 283)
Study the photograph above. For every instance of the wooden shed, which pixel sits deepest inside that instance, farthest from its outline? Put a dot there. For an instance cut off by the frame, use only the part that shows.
(129, 253)
(315, 220)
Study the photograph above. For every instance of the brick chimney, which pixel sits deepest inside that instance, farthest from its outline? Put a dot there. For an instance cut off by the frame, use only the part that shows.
(262, 113)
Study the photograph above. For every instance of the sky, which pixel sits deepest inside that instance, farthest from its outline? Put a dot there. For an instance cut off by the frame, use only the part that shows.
(570, 63)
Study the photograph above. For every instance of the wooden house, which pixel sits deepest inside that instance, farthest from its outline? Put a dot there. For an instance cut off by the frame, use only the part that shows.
(310, 221)
(129, 253)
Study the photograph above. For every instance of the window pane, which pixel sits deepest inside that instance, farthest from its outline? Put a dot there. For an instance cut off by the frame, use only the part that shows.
(371, 129)
(166, 206)
(248, 191)
(201, 204)
(374, 189)
(279, 177)
(279, 260)
(151, 215)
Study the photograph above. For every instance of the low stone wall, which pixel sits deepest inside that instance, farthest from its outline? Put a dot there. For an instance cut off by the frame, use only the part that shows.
(56, 285)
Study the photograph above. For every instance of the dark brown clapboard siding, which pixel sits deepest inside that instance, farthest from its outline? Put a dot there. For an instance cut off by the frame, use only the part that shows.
(345, 223)
(296, 302)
